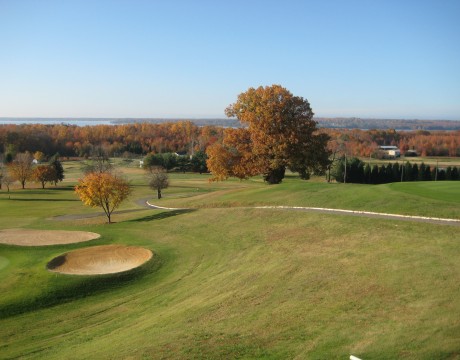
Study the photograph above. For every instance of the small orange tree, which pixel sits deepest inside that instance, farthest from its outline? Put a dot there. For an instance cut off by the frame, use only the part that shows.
(104, 190)
(44, 174)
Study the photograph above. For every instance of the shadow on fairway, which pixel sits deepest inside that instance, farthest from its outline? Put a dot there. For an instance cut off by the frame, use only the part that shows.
(163, 215)
(13, 199)
(66, 288)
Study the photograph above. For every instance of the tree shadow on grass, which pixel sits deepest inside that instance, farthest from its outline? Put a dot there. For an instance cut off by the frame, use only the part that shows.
(13, 199)
(61, 188)
(67, 288)
(162, 215)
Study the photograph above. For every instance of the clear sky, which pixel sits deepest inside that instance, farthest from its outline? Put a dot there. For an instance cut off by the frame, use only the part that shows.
(191, 58)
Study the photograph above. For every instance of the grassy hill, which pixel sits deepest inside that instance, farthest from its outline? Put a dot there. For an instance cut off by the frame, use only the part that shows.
(228, 281)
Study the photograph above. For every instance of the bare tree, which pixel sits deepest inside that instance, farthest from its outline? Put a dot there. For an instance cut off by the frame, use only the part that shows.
(21, 169)
(158, 179)
(99, 163)
(7, 180)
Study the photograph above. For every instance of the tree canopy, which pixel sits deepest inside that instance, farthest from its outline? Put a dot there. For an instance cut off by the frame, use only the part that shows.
(21, 169)
(103, 189)
(280, 133)
(44, 174)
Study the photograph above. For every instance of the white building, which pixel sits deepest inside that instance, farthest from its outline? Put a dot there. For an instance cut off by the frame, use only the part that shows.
(390, 151)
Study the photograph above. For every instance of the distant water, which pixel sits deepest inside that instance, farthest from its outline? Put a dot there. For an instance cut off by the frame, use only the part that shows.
(115, 121)
(45, 121)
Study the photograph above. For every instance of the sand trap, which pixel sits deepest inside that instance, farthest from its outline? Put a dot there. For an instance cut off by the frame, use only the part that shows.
(104, 259)
(30, 237)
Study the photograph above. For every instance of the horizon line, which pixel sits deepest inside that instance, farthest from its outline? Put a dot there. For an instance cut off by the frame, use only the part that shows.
(210, 118)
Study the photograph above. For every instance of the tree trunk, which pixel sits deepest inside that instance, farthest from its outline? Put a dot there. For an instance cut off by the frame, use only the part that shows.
(159, 193)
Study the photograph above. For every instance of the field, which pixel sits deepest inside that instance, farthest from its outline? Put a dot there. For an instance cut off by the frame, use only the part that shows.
(230, 281)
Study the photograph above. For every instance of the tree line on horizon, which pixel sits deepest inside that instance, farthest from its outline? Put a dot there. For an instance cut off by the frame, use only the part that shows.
(186, 138)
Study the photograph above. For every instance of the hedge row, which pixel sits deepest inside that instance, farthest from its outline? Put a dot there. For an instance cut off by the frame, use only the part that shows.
(359, 172)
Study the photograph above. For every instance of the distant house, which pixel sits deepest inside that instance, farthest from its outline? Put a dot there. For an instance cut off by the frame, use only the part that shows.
(141, 163)
(390, 151)
(411, 153)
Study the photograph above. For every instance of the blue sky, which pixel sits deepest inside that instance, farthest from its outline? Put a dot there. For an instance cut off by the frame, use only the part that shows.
(190, 59)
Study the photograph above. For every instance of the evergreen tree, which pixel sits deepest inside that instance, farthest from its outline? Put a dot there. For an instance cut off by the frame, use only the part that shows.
(407, 172)
(449, 173)
(415, 172)
(58, 169)
(441, 175)
(183, 163)
(375, 175)
(198, 162)
(389, 173)
(382, 175)
(427, 175)
(396, 169)
(421, 172)
(165, 160)
(367, 174)
(455, 173)
(355, 171)
(338, 170)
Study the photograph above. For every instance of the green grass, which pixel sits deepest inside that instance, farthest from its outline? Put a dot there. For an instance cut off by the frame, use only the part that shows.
(439, 199)
(240, 283)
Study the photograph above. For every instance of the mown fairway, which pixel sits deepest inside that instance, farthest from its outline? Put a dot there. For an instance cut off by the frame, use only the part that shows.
(230, 282)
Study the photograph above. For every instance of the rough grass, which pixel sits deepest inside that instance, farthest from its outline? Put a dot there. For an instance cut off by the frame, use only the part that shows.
(240, 283)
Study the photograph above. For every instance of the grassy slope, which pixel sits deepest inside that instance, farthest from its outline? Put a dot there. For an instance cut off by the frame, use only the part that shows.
(438, 199)
(239, 283)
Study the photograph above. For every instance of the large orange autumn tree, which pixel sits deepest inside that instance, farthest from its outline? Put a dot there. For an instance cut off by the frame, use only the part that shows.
(280, 133)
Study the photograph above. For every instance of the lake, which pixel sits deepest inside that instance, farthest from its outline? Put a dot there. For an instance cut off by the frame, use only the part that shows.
(47, 121)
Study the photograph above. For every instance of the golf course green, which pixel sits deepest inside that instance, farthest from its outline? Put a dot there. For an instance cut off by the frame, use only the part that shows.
(230, 281)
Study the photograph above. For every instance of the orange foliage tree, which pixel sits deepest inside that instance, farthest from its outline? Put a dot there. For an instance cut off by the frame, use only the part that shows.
(233, 157)
(104, 190)
(280, 133)
(44, 174)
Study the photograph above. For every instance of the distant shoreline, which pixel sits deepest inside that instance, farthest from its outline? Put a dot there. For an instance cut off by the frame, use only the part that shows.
(339, 123)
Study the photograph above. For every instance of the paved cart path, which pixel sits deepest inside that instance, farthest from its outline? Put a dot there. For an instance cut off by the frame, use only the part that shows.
(371, 214)
(144, 202)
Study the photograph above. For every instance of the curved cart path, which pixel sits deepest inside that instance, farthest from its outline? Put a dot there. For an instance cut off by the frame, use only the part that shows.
(144, 202)
(370, 214)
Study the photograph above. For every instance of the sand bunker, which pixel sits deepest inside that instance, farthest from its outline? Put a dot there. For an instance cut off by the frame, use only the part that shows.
(96, 260)
(30, 237)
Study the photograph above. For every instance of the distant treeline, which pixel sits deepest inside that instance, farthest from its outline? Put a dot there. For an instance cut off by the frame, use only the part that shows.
(353, 170)
(366, 143)
(387, 124)
(185, 137)
(113, 140)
